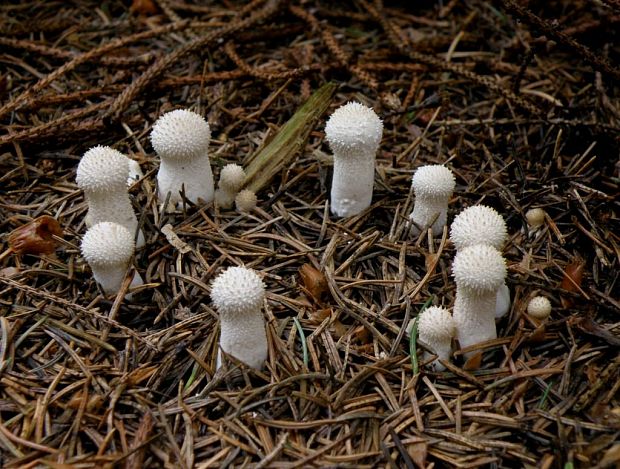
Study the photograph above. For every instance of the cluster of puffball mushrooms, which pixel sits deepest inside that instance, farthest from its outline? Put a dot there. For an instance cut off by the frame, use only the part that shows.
(181, 140)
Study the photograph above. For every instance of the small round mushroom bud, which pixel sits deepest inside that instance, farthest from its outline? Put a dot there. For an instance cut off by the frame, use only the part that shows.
(245, 201)
(479, 271)
(539, 307)
(480, 224)
(108, 248)
(433, 186)
(102, 175)
(535, 217)
(238, 295)
(436, 328)
(181, 139)
(232, 177)
(354, 132)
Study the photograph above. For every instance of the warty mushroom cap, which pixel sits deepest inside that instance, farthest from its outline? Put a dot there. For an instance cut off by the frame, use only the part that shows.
(539, 307)
(353, 129)
(102, 169)
(181, 135)
(107, 244)
(245, 201)
(237, 290)
(232, 177)
(433, 181)
(436, 324)
(478, 224)
(480, 268)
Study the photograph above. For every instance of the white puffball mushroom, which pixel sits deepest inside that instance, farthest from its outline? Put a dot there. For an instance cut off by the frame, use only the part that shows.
(436, 328)
(354, 132)
(232, 178)
(135, 172)
(245, 201)
(480, 224)
(102, 174)
(478, 271)
(238, 295)
(535, 217)
(433, 186)
(181, 139)
(539, 307)
(108, 248)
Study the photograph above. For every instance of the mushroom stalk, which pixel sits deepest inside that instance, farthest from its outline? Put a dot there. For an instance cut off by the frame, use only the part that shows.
(108, 248)
(102, 175)
(479, 271)
(433, 186)
(181, 139)
(354, 132)
(238, 294)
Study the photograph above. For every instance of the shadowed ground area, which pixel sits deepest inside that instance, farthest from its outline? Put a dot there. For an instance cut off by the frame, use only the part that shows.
(519, 99)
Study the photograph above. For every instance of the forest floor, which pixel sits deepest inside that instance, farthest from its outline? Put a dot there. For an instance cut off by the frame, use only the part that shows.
(519, 99)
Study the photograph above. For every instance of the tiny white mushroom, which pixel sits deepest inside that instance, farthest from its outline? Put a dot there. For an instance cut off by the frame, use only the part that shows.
(238, 295)
(354, 132)
(478, 271)
(539, 307)
(102, 175)
(480, 224)
(232, 177)
(108, 248)
(436, 328)
(135, 172)
(535, 217)
(245, 201)
(181, 139)
(433, 186)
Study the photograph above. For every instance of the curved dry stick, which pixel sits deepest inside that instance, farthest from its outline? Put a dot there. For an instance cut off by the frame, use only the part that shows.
(132, 91)
(402, 46)
(90, 55)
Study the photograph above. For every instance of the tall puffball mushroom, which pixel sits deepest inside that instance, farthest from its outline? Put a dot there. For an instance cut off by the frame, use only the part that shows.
(480, 224)
(354, 132)
(238, 295)
(232, 177)
(181, 139)
(478, 270)
(108, 248)
(433, 186)
(436, 328)
(102, 175)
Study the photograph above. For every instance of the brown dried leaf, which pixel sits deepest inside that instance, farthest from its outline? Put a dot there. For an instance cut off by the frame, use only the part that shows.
(318, 316)
(362, 335)
(611, 457)
(313, 280)
(36, 237)
(538, 335)
(573, 276)
(143, 7)
(417, 451)
(473, 362)
(339, 329)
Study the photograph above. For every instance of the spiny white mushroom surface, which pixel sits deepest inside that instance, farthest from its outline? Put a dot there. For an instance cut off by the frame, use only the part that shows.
(246, 201)
(480, 224)
(354, 132)
(436, 328)
(478, 271)
(108, 248)
(102, 175)
(433, 186)
(181, 139)
(232, 177)
(238, 295)
(539, 307)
